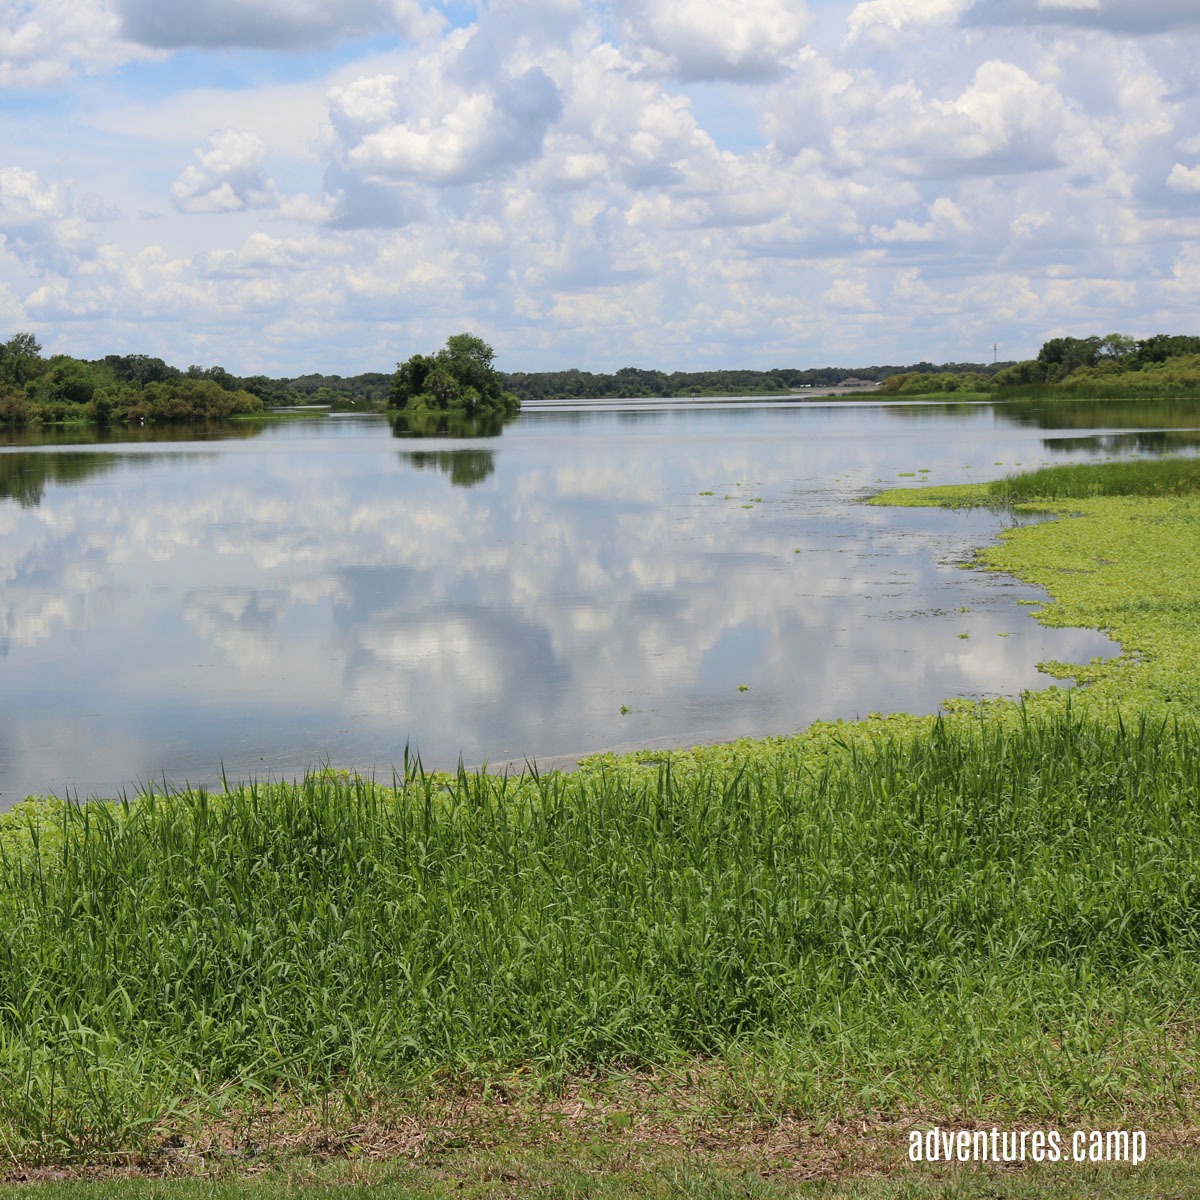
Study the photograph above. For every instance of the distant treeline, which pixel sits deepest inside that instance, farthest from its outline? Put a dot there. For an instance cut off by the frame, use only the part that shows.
(1114, 365)
(141, 389)
(123, 389)
(630, 382)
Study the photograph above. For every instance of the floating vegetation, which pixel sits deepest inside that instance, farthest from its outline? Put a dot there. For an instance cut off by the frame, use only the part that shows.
(1121, 558)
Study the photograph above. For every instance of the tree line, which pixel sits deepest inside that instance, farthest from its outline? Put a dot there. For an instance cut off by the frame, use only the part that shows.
(114, 390)
(1113, 364)
(632, 382)
(461, 382)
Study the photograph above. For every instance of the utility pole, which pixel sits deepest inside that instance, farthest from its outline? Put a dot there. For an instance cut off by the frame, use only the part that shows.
(994, 349)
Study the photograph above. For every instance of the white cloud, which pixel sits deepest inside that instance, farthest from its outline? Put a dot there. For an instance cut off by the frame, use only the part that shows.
(42, 41)
(946, 221)
(25, 199)
(1184, 179)
(435, 128)
(880, 20)
(39, 226)
(229, 176)
(1005, 121)
(561, 176)
(743, 40)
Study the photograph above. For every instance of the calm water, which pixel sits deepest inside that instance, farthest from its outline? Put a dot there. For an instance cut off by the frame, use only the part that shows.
(326, 592)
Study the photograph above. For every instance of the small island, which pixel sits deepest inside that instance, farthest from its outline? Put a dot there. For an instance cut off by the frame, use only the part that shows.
(459, 379)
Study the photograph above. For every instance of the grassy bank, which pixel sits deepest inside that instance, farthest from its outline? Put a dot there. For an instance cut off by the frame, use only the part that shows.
(992, 916)
(953, 917)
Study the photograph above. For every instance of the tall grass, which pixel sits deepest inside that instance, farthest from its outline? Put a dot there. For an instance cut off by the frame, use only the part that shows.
(1152, 478)
(1158, 477)
(964, 914)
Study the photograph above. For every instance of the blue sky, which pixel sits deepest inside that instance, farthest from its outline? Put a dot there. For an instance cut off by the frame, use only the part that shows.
(297, 185)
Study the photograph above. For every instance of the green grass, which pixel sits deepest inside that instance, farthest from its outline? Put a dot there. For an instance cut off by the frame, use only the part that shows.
(960, 916)
(607, 1173)
(1162, 477)
(270, 416)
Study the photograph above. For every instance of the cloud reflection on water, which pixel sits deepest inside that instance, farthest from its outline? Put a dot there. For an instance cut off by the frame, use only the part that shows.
(302, 597)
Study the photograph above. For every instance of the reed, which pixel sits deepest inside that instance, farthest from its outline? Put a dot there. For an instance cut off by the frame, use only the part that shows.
(1149, 477)
(1161, 477)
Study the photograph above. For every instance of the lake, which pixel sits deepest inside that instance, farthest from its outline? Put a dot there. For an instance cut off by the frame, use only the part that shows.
(601, 576)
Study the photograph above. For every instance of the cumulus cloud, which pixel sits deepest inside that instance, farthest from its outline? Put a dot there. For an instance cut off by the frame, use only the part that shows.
(880, 20)
(742, 40)
(228, 176)
(618, 127)
(1004, 121)
(268, 24)
(42, 41)
(448, 132)
(39, 225)
(25, 199)
(604, 182)
(1184, 179)
(946, 220)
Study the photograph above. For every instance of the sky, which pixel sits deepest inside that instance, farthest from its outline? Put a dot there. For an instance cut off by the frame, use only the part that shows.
(286, 186)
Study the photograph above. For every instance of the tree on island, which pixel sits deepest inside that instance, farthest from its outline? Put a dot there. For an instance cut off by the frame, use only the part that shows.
(458, 379)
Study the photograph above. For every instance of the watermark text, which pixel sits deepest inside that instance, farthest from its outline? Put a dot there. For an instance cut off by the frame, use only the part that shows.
(939, 1145)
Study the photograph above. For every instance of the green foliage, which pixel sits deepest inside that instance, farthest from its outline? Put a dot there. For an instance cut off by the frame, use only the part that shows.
(631, 382)
(20, 359)
(916, 383)
(65, 381)
(366, 392)
(459, 378)
(1160, 477)
(1116, 365)
(139, 368)
(1060, 356)
(13, 408)
(128, 389)
(1019, 374)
